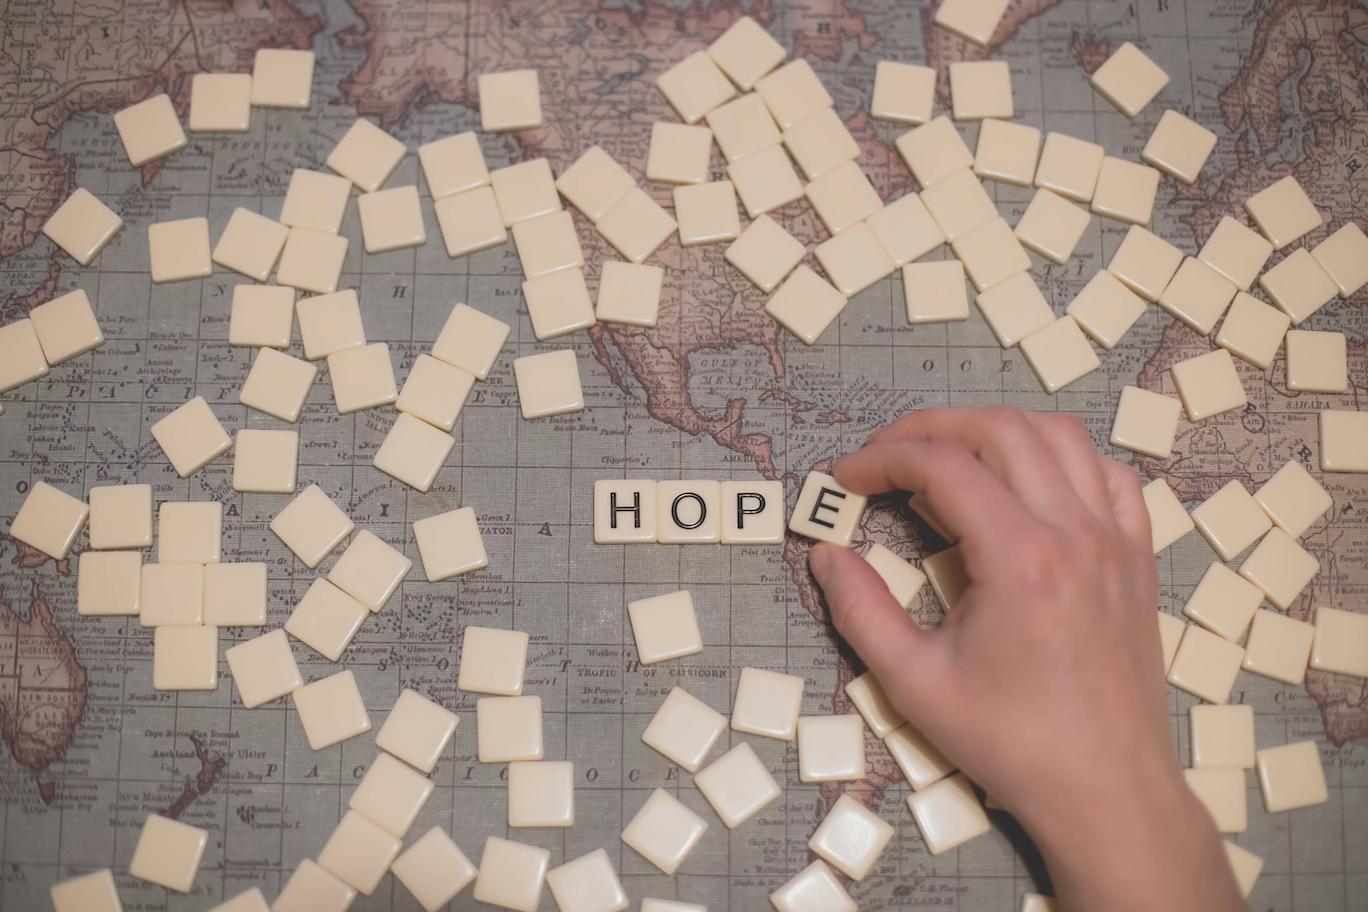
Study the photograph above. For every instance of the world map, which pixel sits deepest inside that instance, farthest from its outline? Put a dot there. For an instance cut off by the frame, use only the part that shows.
(717, 389)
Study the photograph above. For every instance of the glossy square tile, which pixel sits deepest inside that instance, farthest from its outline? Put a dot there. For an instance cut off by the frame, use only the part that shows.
(1344, 257)
(919, 760)
(946, 573)
(250, 901)
(814, 887)
(108, 582)
(312, 260)
(330, 709)
(1069, 166)
(413, 451)
(189, 532)
(991, 254)
(831, 748)
(806, 304)
(587, 884)
(1236, 251)
(512, 874)
(767, 703)
(168, 853)
(630, 292)
(765, 180)
(390, 795)
(366, 155)
(1245, 865)
(765, 253)
(82, 226)
(391, 219)
(1129, 79)
(149, 129)
(1283, 212)
(510, 101)
(1209, 385)
(752, 512)
(906, 229)
(171, 594)
(1293, 499)
(1222, 737)
(934, 151)
(262, 315)
(66, 327)
(851, 838)
(594, 183)
(191, 437)
(525, 190)
(433, 869)
(450, 544)
(50, 520)
(971, 20)
(311, 525)
(684, 729)
(1051, 225)
(311, 889)
(1343, 443)
(948, 814)
(263, 668)
(742, 126)
(493, 661)
(854, 259)
(664, 627)
(509, 728)
(21, 355)
(695, 86)
(825, 511)
(470, 340)
(1279, 647)
(362, 377)
(624, 511)
(678, 153)
(746, 52)
(959, 204)
(558, 303)
(250, 244)
(793, 93)
(1007, 152)
(282, 78)
(820, 143)
(330, 323)
(1106, 309)
(93, 892)
(315, 200)
(1205, 665)
(220, 102)
(1291, 776)
(1280, 567)
(1224, 602)
(370, 570)
(980, 89)
(1169, 520)
(1341, 642)
(737, 785)
(1178, 146)
(636, 225)
(435, 391)
(265, 460)
(903, 92)
(1298, 285)
(1317, 361)
(1170, 635)
(277, 384)
(1015, 308)
(1231, 520)
(453, 164)
(179, 250)
(470, 221)
(326, 619)
(688, 512)
(1222, 793)
(935, 292)
(541, 793)
(548, 384)
(417, 730)
(1145, 262)
(1253, 331)
(185, 658)
(1125, 190)
(903, 579)
(664, 831)
(1198, 295)
(359, 852)
(1059, 354)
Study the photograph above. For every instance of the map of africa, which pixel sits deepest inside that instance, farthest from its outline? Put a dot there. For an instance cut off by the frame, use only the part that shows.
(715, 390)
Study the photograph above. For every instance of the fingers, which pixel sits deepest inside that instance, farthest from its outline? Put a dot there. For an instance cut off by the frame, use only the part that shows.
(1128, 505)
(1076, 455)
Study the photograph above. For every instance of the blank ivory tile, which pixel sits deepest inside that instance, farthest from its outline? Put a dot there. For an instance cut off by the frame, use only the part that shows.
(1344, 257)
(854, 259)
(706, 213)
(1317, 362)
(433, 869)
(687, 512)
(1253, 330)
(359, 852)
(1291, 776)
(851, 838)
(1205, 665)
(695, 86)
(191, 437)
(511, 874)
(1015, 308)
(629, 292)
(831, 748)
(21, 355)
(315, 200)
(149, 130)
(326, 619)
(820, 143)
(168, 853)
(737, 785)
(946, 573)
(767, 703)
(587, 884)
(470, 340)
(262, 315)
(366, 155)
(93, 892)
(1169, 521)
(1283, 212)
(746, 52)
(825, 511)
(1236, 252)
(814, 887)
(435, 391)
(1170, 635)
(1245, 865)
(1343, 446)
(548, 384)
(277, 384)
(179, 250)
(82, 226)
(362, 377)
(665, 627)
(171, 594)
(1069, 166)
(934, 151)
(1224, 602)
(312, 260)
(1231, 520)
(413, 451)
(49, 520)
(1279, 647)
(311, 889)
(636, 225)
(684, 729)
(66, 327)
(1007, 152)
(664, 831)
(903, 92)
(108, 582)
(185, 657)
(525, 190)
(1293, 499)
(265, 461)
(509, 728)
(1279, 566)
(330, 710)
(1222, 736)
(918, 759)
(980, 89)
(1059, 354)
(1209, 385)
(282, 78)
(417, 730)
(624, 511)
(806, 304)
(189, 532)
(1298, 285)
(742, 126)
(935, 292)
(470, 221)
(391, 219)
(594, 182)
(1145, 262)
(793, 93)
(991, 254)
(1106, 309)
(510, 101)
(250, 244)
(1198, 295)
(906, 229)
(1179, 146)
(391, 794)
(765, 180)
(493, 661)
(765, 253)
(903, 579)
(1125, 190)
(1341, 642)
(220, 102)
(973, 20)
(1129, 79)
(453, 164)
(948, 813)
(541, 793)
(678, 153)
(311, 525)
(370, 570)
(263, 668)
(1051, 225)
(1222, 793)
(959, 204)
(1035, 902)
(558, 303)
(450, 544)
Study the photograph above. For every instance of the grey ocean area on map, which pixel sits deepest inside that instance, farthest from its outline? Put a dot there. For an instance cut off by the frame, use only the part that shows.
(715, 391)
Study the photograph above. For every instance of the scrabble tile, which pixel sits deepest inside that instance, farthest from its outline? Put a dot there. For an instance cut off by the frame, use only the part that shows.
(948, 813)
(1344, 257)
(329, 323)
(366, 155)
(66, 327)
(510, 101)
(765, 253)
(315, 200)
(814, 887)
(282, 78)
(168, 853)
(664, 831)
(1205, 665)
(185, 658)
(793, 93)
(851, 838)
(1222, 737)
(934, 151)
(765, 180)
(1245, 865)
(746, 52)
(624, 511)
(1208, 385)
(435, 391)
(1034, 902)
(594, 183)
(991, 254)
(277, 384)
(820, 143)
(1178, 146)
(636, 225)
(1343, 445)
(1280, 567)
(706, 213)
(959, 204)
(413, 451)
(149, 130)
(453, 164)
(179, 250)
(417, 730)
(1317, 361)
(311, 525)
(108, 582)
(331, 710)
(684, 729)
(220, 102)
(1224, 602)
(312, 260)
(742, 126)
(825, 511)
(587, 884)
(326, 619)
(1169, 521)
(1106, 309)
(903, 92)
(362, 377)
(806, 304)
(854, 259)
(678, 153)
(1222, 793)
(189, 532)
(1298, 285)
(509, 728)
(263, 668)
(767, 703)
(82, 226)
(1253, 330)
(1007, 152)
(1069, 166)
(1015, 308)
(359, 852)
(1231, 520)
(541, 793)
(235, 595)
(1125, 190)
(391, 219)
(687, 512)
(470, 221)
(1341, 642)
(265, 460)
(1293, 499)
(511, 874)
(665, 627)
(391, 794)
(1170, 635)
(971, 20)
(49, 520)
(191, 437)
(21, 355)
(946, 573)
(470, 340)
(1283, 212)
(1145, 262)
(904, 580)
(450, 544)
(493, 661)
(1052, 226)
(558, 303)
(1059, 354)
(171, 594)
(1129, 79)
(918, 759)
(262, 315)
(525, 190)
(310, 889)
(831, 748)
(935, 292)
(737, 785)
(1291, 776)
(250, 244)
(548, 384)
(433, 869)
(1279, 647)
(980, 89)
(695, 86)
(906, 229)
(1236, 252)
(629, 292)
(93, 892)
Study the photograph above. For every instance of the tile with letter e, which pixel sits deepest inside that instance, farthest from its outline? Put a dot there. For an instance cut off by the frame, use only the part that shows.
(311, 525)
(548, 384)
(470, 340)
(330, 710)
(752, 512)
(510, 101)
(235, 594)
(624, 511)
(450, 544)
(282, 78)
(433, 869)
(512, 874)
(737, 785)
(66, 327)
(664, 831)
(814, 887)
(826, 511)
(82, 226)
(168, 853)
(493, 661)
(417, 730)
(179, 250)
(706, 213)
(50, 520)
(108, 582)
(684, 729)
(806, 304)
(250, 244)
(326, 619)
(413, 451)
(1178, 146)
(191, 437)
(509, 728)
(263, 668)
(366, 155)
(278, 384)
(767, 703)
(149, 130)
(370, 570)
(665, 627)
(948, 813)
